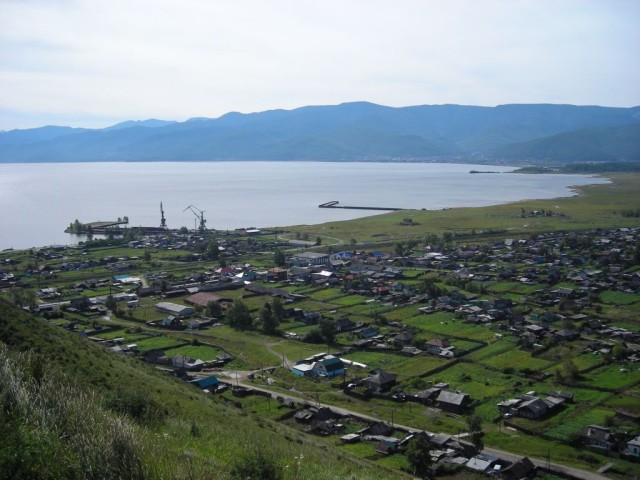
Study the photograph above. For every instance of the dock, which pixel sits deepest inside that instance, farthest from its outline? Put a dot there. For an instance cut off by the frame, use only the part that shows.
(335, 204)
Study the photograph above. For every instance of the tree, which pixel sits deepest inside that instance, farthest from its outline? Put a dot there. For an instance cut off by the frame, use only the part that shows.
(570, 370)
(147, 256)
(619, 352)
(279, 257)
(278, 309)
(318, 240)
(214, 309)
(269, 320)
(328, 330)
(418, 455)
(212, 251)
(476, 433)
(111, 303)
(239, 316)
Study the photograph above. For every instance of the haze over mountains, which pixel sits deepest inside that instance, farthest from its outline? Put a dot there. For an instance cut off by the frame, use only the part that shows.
(358, 131)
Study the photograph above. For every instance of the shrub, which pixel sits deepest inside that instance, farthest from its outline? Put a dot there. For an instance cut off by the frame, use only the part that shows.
(137, 406)
(255, 465)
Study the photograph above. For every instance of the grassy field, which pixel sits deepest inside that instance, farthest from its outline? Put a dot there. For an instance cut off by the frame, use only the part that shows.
(619, 298)
(595, 206)
(407, 367)
(158, 341)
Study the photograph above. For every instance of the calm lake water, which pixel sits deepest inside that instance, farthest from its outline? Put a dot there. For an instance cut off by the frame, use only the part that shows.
(38, 201)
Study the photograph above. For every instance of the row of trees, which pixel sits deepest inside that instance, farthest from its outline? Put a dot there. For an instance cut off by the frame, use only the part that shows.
(239, 316)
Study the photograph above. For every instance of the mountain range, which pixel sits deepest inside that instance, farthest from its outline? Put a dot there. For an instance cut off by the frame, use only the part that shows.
(360, 131)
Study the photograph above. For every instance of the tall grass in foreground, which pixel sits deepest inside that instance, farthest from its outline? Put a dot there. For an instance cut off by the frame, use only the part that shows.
(51, 430)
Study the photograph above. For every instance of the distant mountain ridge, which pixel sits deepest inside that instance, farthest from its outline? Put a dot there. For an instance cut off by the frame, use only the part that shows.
(349, 132)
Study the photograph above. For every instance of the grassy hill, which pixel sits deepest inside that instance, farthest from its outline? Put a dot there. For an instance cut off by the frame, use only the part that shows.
(73, 409)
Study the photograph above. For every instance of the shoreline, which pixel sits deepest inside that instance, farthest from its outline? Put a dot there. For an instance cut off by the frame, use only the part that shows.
(222, 215)
(319, 228)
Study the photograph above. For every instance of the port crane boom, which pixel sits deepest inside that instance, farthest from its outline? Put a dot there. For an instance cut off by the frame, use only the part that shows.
(199, 215)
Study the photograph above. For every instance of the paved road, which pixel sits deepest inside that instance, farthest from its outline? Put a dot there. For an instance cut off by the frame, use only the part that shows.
(558, 468)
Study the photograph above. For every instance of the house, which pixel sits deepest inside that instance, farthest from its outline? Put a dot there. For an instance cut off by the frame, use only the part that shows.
(567, 334)
(303, 416)
(387, 446)
(435, 346)
(325, 427)
(191, 364)
(598, 437)
(518, 470)
(170, 322)
(453, 401)
(378, 428)
(350, 438)
(563, 292)
(278, 274)
(410, 351)
(380, 382)
(314, 414)
(308, 318)
(402, 338)
(427, 396)
(204, 382)
(481, 463)
(174, 309)
(149, 291)
(344, 325)
(329, 366)
(529, 406)
(633, 447)
(368, 332)
(80, 303)
(533, 408)
(302, 369)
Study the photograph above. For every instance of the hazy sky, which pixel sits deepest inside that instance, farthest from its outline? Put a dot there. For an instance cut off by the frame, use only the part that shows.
(94, 63)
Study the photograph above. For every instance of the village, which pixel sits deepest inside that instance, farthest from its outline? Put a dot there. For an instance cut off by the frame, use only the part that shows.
(526, 345)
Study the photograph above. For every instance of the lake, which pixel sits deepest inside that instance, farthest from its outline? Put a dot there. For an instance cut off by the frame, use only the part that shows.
(38, 201)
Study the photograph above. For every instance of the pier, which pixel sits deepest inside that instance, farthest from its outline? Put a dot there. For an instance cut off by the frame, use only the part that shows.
(335, 204)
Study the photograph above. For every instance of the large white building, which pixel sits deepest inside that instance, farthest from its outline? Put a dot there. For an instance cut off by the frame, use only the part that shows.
(174, 309)
(311, 258)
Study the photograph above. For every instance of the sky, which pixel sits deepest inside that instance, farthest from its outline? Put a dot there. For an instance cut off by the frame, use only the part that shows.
(94, 63)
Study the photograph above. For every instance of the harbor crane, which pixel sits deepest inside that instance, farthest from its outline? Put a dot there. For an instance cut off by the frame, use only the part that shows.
(199, 215)
(163, 221)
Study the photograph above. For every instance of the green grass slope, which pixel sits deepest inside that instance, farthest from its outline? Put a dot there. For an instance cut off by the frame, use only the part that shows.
(72, 409)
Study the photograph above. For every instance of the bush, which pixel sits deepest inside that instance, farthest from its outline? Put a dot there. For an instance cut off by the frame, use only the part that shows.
(255, 465)
(137, 406)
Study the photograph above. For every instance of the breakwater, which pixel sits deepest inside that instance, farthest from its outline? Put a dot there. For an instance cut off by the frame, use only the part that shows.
(335, 204)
